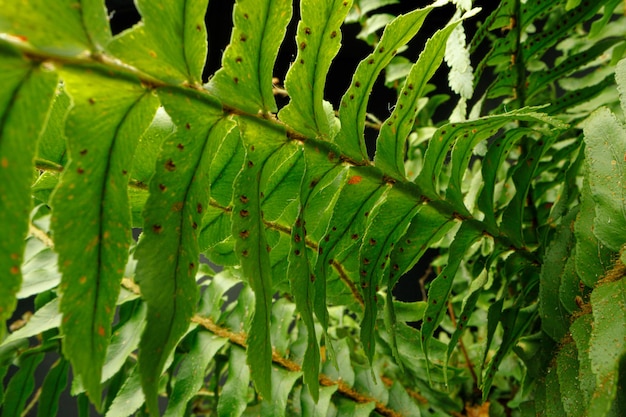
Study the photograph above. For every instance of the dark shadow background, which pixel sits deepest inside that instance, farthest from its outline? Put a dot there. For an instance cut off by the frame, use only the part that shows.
(124, 15)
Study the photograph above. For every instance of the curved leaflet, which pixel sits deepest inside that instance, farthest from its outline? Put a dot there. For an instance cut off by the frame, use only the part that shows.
(245, 79)
(25, 99)
(251, 245)
(318, 41)
(84, 22)
(354, 102)
(391, 141)
(167, 253)
(170, 42)
(102, 129)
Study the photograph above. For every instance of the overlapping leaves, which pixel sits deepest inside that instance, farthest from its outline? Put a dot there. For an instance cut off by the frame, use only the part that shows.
(296, 205)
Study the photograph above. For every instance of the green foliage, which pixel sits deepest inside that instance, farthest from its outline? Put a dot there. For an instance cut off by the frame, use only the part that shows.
(521, 202)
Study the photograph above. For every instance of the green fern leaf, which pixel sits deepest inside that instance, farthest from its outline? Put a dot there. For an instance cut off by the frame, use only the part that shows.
(245, 79)
(53, 386)
(605, 140)
(387, 227)
(22, 384)
(282, 384)
(581, 330)
(354, 102)
(191, 375)
(440, 288)
(101, 151)
(25, 100)
(170, 42)
(391, 142)
(65, 28)
(607, 343)
(592, 256)
(252, 244)
(538, 43)
(318, 40)
(567, 369)
(167, 253)
(320, 187)
(555, 319)
(515, 322)
(360, 197)
(233, 398)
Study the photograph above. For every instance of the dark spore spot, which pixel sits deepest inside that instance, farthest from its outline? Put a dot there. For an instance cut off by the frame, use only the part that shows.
(252, 148)
(351, 96)
(367, 213)
(312, 277)
(331, 156)
(198, 28)
(326, 238)
(162, 187)
(354, 236)
(268, 248)
(236, 80)
(194, 225)
(187, 126)
(297, 238)
(250, 164)
(157, 228)
(80, 170)
(429, 319)
(396, 267)
(170, 165)
(124, 172)
(180, 147)
(307, 31)
(245, 15)
(334, 229)
(372, 241)
(244, 213)
(238, 60)
(320, 250)
(243, 199)
(244, 253)
(199, 208)
(382, 49)
(302, 61)
(297, 252)
(434, 302)
(366, 261)
(302, 45)
(243, 38)
(83, 152)
(357, 84)
(333, 34)
(191, 265)
(313, 184)
(370, 61)
(244, 234)
(91, 100)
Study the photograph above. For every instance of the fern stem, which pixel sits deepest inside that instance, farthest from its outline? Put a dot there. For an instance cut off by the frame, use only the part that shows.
(240, 340)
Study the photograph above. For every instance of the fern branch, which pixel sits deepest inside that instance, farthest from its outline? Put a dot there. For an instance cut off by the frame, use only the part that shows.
(240, 340)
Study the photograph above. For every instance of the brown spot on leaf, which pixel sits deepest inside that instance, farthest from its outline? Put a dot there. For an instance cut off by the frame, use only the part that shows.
(244, 213)
(199, 208)
(157, 228)
(355, 179)
(243, 199)
(244, 234)
(170, 165)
